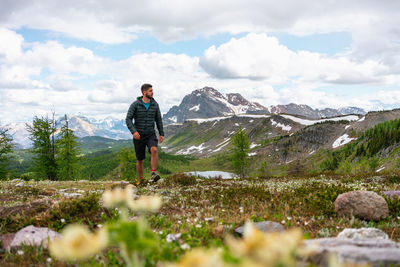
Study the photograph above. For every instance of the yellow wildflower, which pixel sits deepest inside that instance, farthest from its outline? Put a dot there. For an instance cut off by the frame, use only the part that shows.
(200, 258)
(78, 243)
(266, 248)
(146, 203)
(118, 196)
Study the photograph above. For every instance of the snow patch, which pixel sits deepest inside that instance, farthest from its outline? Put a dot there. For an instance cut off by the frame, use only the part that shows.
(311, 122)
(381, 168)
(174, 119)
(312, 152)
(344, 139)
(192, 149)
(283, 126)
(362, 119)
(347, 126)
(195, 108)
(253, 145)
(222, 144)
(252, 154)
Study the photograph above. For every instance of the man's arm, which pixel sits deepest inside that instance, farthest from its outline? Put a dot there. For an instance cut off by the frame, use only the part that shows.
(129, 117)
(159, 123)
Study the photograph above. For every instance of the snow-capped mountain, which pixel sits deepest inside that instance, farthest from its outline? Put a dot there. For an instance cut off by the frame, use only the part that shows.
(82, 126)
(207, 103)
(308, 112)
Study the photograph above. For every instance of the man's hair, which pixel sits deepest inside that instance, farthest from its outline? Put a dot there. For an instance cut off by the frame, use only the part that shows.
(146, 87)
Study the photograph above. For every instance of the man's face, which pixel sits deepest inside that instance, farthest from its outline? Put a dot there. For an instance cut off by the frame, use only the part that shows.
(148, 93)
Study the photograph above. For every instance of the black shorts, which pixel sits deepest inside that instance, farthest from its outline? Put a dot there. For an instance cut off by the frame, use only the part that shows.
(140, 145)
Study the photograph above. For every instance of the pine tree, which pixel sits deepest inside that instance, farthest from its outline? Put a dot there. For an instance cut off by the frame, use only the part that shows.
(67, 154)
(127, 161)
(6, 147)
(240, 157)
(41, 132)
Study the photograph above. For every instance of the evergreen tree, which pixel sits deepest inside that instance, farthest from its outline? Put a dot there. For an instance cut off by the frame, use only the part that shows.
(240, 157)
(6, 147)
(67, 154)
(127, 161)
(41, 132)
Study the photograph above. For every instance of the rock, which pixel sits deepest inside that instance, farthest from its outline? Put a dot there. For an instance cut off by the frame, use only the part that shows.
(33, 236)
(165, 193)
(266, 226)
(6, 240)
(72, 195)
(391, 194)
(219, 230)
(363, 233)
(375, 252)
(366, 205)
(20, 183)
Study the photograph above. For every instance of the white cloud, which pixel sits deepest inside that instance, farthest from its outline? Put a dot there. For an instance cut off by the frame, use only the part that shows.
(257, 56)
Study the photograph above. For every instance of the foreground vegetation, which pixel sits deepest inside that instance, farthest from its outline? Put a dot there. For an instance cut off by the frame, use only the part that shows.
(201, 211)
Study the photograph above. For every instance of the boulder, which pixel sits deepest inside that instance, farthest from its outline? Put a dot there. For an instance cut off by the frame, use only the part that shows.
(363, 233)
(265, 226)
(33, 236)
(371, 251)
(366, 205)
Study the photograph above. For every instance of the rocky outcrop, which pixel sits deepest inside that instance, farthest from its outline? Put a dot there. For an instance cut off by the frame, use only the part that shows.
(366, 205)
(30, 235)
(360, 246)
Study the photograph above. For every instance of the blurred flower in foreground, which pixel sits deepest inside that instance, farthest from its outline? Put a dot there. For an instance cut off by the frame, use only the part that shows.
(267, 249)
(78, 243)
(200, 258)
(119, 197)
(146, 203)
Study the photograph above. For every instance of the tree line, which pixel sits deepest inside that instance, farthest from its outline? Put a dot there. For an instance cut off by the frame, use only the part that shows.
(56, 153)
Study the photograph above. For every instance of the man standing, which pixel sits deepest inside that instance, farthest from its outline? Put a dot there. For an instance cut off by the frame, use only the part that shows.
(145, 111)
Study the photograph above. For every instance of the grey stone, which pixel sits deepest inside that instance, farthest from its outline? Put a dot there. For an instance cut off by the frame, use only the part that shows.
(363, 233)
(33, 236)
(375, 252)
(20, 183)
(266, 226)
(366, 205)
(72, 195)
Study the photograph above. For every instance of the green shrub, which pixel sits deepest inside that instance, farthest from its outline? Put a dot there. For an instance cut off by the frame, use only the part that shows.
(180, 179)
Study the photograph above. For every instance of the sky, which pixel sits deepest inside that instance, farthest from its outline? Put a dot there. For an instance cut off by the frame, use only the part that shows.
(91, 57)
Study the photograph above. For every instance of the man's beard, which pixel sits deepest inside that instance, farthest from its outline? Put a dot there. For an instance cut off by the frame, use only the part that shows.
(148, 95)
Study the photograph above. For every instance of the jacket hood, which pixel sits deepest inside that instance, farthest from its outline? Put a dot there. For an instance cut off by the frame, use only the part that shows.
(140, 98)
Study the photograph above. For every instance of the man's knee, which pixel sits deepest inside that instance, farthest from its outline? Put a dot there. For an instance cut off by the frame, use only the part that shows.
(139, 162)
(153, 149)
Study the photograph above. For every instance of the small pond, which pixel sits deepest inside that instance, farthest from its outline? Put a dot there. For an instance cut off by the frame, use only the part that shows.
(213, 174)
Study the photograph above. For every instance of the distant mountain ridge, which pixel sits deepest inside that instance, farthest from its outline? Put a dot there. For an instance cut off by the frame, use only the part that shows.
(82, 127)
(208, 102)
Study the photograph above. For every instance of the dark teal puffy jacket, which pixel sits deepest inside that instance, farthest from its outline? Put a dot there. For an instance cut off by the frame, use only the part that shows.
(144, 119)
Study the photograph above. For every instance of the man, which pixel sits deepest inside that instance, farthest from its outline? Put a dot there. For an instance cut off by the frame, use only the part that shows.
(145, 111)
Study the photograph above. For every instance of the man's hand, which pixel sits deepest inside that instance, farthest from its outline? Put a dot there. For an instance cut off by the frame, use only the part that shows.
(161, 139)
(136, 135)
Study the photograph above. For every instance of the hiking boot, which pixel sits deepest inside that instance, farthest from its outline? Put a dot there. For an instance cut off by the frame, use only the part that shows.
(141, 182)
(155, 177)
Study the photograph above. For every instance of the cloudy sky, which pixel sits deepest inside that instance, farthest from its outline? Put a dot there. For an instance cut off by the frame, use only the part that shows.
(90, 57)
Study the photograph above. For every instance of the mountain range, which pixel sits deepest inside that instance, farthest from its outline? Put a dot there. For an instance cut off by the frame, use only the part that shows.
(204, 103)
(208, 102)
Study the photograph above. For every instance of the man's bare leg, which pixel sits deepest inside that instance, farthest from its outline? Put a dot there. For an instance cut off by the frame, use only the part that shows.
(139, 168)
(154, 157)
(154, 160)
